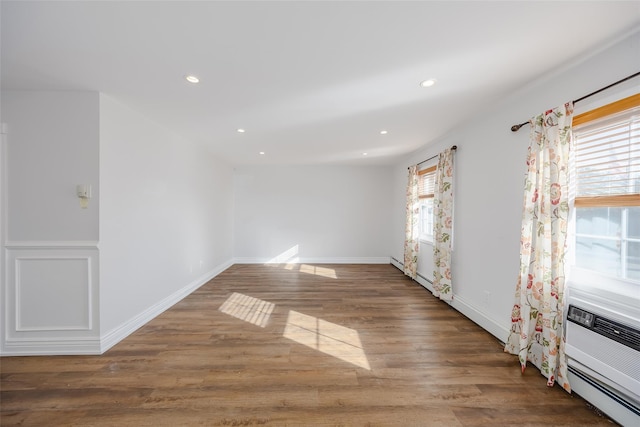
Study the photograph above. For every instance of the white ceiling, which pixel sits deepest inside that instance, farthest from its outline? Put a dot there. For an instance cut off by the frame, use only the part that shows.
(311, 82)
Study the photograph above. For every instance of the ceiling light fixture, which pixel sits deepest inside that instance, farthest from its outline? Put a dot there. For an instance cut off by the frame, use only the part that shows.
(428, 83)
(240, 130)
(192, 79)
(383, 132)
(262, 153)
(365, 154)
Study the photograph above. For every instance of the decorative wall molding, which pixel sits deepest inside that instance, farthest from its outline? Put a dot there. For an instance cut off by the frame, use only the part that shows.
(119, 333)
(319, 260)
(21, 269)
(51, 347)
(51, 244)
(40, 278)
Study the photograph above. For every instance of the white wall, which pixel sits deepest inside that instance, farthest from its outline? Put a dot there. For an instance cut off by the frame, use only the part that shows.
(166, 218)
(52, 146)
(159, 224)
(489, 176)
(50, 287)
(314, 213)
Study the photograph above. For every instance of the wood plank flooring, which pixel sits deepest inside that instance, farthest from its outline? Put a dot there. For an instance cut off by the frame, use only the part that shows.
(297, 345)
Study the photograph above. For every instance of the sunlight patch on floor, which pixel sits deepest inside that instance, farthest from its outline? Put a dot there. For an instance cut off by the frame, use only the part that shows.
(318, 271)
(249, 309)
(288, 256)
(332, 339)
(289, 260)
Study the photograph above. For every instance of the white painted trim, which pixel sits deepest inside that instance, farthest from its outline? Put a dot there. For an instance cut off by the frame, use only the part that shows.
(18, 340)
(296, 260)
(4, 227)
(51, 347)
(397, 264)
(600, 400)
(119, 333)
(90, 285)
(53, 244)
(477, 316)
(425, 283)
(91, 346)
(466, 308)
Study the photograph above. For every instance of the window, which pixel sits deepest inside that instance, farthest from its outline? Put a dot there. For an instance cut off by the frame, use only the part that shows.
(426, 191)
(607, 178)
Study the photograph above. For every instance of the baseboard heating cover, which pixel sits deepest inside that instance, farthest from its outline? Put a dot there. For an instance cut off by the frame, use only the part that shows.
(603, 352)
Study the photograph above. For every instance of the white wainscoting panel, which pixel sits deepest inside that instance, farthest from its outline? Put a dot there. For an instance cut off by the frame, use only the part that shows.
(51, 299)
(53, 293)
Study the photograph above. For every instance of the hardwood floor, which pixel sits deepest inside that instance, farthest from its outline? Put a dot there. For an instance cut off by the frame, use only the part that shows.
(343, 345)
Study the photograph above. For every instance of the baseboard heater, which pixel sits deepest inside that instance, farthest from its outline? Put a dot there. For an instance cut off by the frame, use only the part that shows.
(604, 390)
(604, 360)
(400, 266)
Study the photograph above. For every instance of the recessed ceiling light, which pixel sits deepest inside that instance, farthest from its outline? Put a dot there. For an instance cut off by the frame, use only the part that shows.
(262, 153)
(240, 130)
(192, 79)
(383, 132)
(365, 154)
(428, 83)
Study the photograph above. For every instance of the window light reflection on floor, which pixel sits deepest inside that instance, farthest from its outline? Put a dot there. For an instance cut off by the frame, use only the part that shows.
(318, 271)
(290, 255)
(289, 260)
(249, 309)
(332, 339)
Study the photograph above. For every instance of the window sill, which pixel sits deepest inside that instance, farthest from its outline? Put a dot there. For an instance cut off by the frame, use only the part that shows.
(604, 288)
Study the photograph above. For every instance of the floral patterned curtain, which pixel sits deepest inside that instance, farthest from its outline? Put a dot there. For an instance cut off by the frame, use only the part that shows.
(442, 226)
(537, 316)
(411, 229)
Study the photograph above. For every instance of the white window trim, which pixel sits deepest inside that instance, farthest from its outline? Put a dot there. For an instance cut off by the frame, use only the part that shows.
(623, 291)
(426, 237)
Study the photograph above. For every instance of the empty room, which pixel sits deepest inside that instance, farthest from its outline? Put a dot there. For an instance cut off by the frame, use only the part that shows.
(320, 213)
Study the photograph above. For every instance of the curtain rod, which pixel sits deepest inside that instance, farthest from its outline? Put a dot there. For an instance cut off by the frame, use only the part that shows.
(516, 128)
(453, 147)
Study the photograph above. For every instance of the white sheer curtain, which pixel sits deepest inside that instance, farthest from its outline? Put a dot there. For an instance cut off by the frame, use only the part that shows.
(412, 232)
(443, 226)
(537, 316)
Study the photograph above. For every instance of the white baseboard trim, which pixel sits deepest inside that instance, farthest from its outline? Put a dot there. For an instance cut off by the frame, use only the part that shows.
(88, 346)
(424, 282)
(397, 264)
(116, 335)
(427, 284)
(478, 317)
(468, 309)
(51, 347)
(296, 260)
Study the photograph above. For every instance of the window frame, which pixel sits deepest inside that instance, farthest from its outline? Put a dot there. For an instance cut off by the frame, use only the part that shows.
(426, 236)
(624, 201)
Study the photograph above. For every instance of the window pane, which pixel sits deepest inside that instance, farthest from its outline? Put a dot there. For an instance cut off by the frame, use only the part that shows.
(633, 260)
(600, 255)
(426, 184)
(633, 227)
(599, 221)
(608, 155)
(426, 217)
